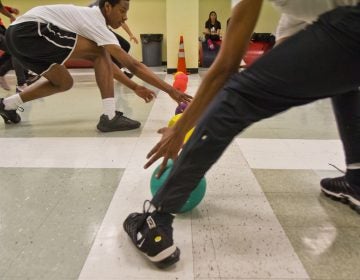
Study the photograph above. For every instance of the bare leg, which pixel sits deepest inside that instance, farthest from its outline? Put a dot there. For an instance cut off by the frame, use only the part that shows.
(59, 78)
(87, 49)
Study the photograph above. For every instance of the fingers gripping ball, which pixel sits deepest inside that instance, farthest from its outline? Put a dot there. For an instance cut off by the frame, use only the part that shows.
(195, 197)
(174, 119)
(180, 108)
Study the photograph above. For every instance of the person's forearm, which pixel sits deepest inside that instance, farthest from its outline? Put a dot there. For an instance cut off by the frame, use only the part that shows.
(145, 74)
(9, 9)
(127, 29)
(137, 68)
(5, 12)
(243, 20)
(122, 78)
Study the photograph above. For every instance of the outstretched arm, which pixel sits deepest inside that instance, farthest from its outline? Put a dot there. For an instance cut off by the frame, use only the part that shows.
(5, 12)
(144, 73)
(243, 19)
(12, 10)
(141, 91)
(128, 31)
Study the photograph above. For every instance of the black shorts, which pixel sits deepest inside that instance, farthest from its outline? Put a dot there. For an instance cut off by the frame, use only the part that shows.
(38, 46)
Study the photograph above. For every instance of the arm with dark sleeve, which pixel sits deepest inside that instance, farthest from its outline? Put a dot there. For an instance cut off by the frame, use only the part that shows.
(243, 19)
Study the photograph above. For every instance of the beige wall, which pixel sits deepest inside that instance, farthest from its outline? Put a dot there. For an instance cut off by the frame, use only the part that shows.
(171, 18)
(25, 5)
(182, 18)
(268, 19)
(146, 17)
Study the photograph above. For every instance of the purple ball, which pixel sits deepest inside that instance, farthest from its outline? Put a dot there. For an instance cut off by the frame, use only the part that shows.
(181, 108)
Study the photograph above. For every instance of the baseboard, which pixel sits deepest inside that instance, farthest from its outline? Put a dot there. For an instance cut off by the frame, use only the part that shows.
(189, 70)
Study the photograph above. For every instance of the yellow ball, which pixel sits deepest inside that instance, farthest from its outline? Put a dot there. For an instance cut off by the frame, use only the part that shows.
(174, 119)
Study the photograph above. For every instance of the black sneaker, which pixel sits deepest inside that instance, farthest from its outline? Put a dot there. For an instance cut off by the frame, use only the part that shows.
(117, 123)
(151, 233)
(340, 189)
(9, 116)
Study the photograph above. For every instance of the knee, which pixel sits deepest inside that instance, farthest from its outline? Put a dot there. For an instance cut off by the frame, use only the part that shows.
(102, 55)
(66, 83)
(104, 59)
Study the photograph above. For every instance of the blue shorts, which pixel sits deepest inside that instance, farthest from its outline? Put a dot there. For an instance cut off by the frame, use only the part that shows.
(38, 46)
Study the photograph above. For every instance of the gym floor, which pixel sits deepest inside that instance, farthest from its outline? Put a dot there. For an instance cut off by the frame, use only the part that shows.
(66, 189)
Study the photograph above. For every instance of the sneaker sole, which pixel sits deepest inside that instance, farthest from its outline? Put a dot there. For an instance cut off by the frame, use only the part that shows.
(166, 258)
(7, 120)
(346, 199)
(106, 129)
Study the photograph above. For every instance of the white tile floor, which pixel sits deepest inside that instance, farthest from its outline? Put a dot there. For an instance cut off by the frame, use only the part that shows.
(237, 232)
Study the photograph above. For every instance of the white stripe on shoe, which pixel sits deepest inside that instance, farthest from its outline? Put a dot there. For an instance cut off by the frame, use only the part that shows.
(163, 254)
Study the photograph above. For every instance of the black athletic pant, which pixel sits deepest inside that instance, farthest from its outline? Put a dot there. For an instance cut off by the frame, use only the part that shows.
(319, 62)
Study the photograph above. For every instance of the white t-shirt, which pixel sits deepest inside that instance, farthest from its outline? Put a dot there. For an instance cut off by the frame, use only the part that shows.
(296, 14)
(85, 21)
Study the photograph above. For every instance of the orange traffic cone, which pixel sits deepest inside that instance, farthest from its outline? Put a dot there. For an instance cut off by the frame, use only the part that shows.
(181, 57)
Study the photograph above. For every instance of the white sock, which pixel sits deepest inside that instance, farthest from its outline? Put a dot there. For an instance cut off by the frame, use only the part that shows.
(109, 107)
(12, 102)
(353, 166)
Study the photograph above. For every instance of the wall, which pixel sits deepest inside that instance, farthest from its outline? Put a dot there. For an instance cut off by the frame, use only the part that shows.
(145, 16)
(268, 19)
(182, 19)
(171, 18)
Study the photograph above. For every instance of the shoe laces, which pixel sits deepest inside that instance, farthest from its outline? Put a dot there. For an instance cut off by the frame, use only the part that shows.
(147, 207)
(337, 168)
(135, 221)
(121, 114)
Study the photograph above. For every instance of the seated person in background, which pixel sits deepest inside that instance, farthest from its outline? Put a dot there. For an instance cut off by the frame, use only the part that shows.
(212, 30)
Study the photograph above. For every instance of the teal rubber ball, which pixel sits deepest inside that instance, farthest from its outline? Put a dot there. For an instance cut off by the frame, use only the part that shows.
(195, 197)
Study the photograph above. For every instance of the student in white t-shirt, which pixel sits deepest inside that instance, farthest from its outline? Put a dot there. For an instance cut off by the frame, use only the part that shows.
(125, 45)
(46, 36)
(319, 61)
